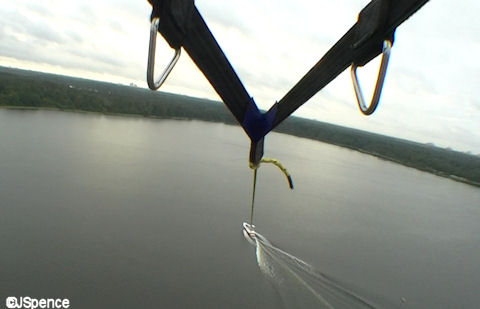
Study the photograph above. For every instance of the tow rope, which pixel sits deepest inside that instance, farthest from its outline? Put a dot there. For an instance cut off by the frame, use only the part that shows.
(255, 169)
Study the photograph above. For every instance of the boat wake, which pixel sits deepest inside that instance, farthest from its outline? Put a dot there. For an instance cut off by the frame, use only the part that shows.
(299, 284)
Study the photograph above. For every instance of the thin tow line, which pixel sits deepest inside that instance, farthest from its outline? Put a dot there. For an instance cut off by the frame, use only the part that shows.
(255, 168)
(253, 194)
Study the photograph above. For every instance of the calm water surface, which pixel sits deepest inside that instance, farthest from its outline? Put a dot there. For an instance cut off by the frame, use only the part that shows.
(115, 212)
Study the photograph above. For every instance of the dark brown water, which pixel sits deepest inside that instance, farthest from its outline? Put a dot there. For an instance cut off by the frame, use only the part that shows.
(115, 212)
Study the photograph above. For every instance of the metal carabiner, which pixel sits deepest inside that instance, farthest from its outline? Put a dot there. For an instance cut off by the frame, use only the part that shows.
(152, 84)
(368, 110)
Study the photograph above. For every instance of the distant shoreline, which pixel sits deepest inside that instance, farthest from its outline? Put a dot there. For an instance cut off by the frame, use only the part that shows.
(437, 173)
(27, 90)
(434, 172)
(79, 111)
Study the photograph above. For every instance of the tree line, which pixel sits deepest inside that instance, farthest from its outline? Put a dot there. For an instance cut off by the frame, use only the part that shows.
(19, 88)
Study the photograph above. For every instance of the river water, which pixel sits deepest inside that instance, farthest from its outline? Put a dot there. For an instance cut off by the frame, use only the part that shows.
(125, 212)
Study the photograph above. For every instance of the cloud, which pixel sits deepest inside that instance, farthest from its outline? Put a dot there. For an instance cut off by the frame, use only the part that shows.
(79, 38)
(429, 94)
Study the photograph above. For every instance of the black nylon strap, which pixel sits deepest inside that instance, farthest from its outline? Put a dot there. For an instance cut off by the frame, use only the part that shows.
(182, 25)
(360, 44)
(210, 59)
(175, 16)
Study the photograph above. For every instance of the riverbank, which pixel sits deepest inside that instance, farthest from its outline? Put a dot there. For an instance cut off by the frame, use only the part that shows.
(21, 89)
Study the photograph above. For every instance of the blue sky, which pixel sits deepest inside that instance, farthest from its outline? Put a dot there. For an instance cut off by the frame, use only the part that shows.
(429, 94)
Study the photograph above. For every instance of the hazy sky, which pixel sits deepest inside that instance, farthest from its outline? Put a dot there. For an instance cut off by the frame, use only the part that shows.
(429, 93)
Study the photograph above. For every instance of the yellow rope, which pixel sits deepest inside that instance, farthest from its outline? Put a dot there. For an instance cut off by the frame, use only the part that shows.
(255, 168)
(277, 164)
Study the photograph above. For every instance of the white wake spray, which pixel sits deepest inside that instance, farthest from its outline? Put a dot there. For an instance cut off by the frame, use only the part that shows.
(298, 283)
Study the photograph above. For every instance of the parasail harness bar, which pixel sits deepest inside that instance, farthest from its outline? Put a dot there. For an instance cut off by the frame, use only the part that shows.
(181, 24)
